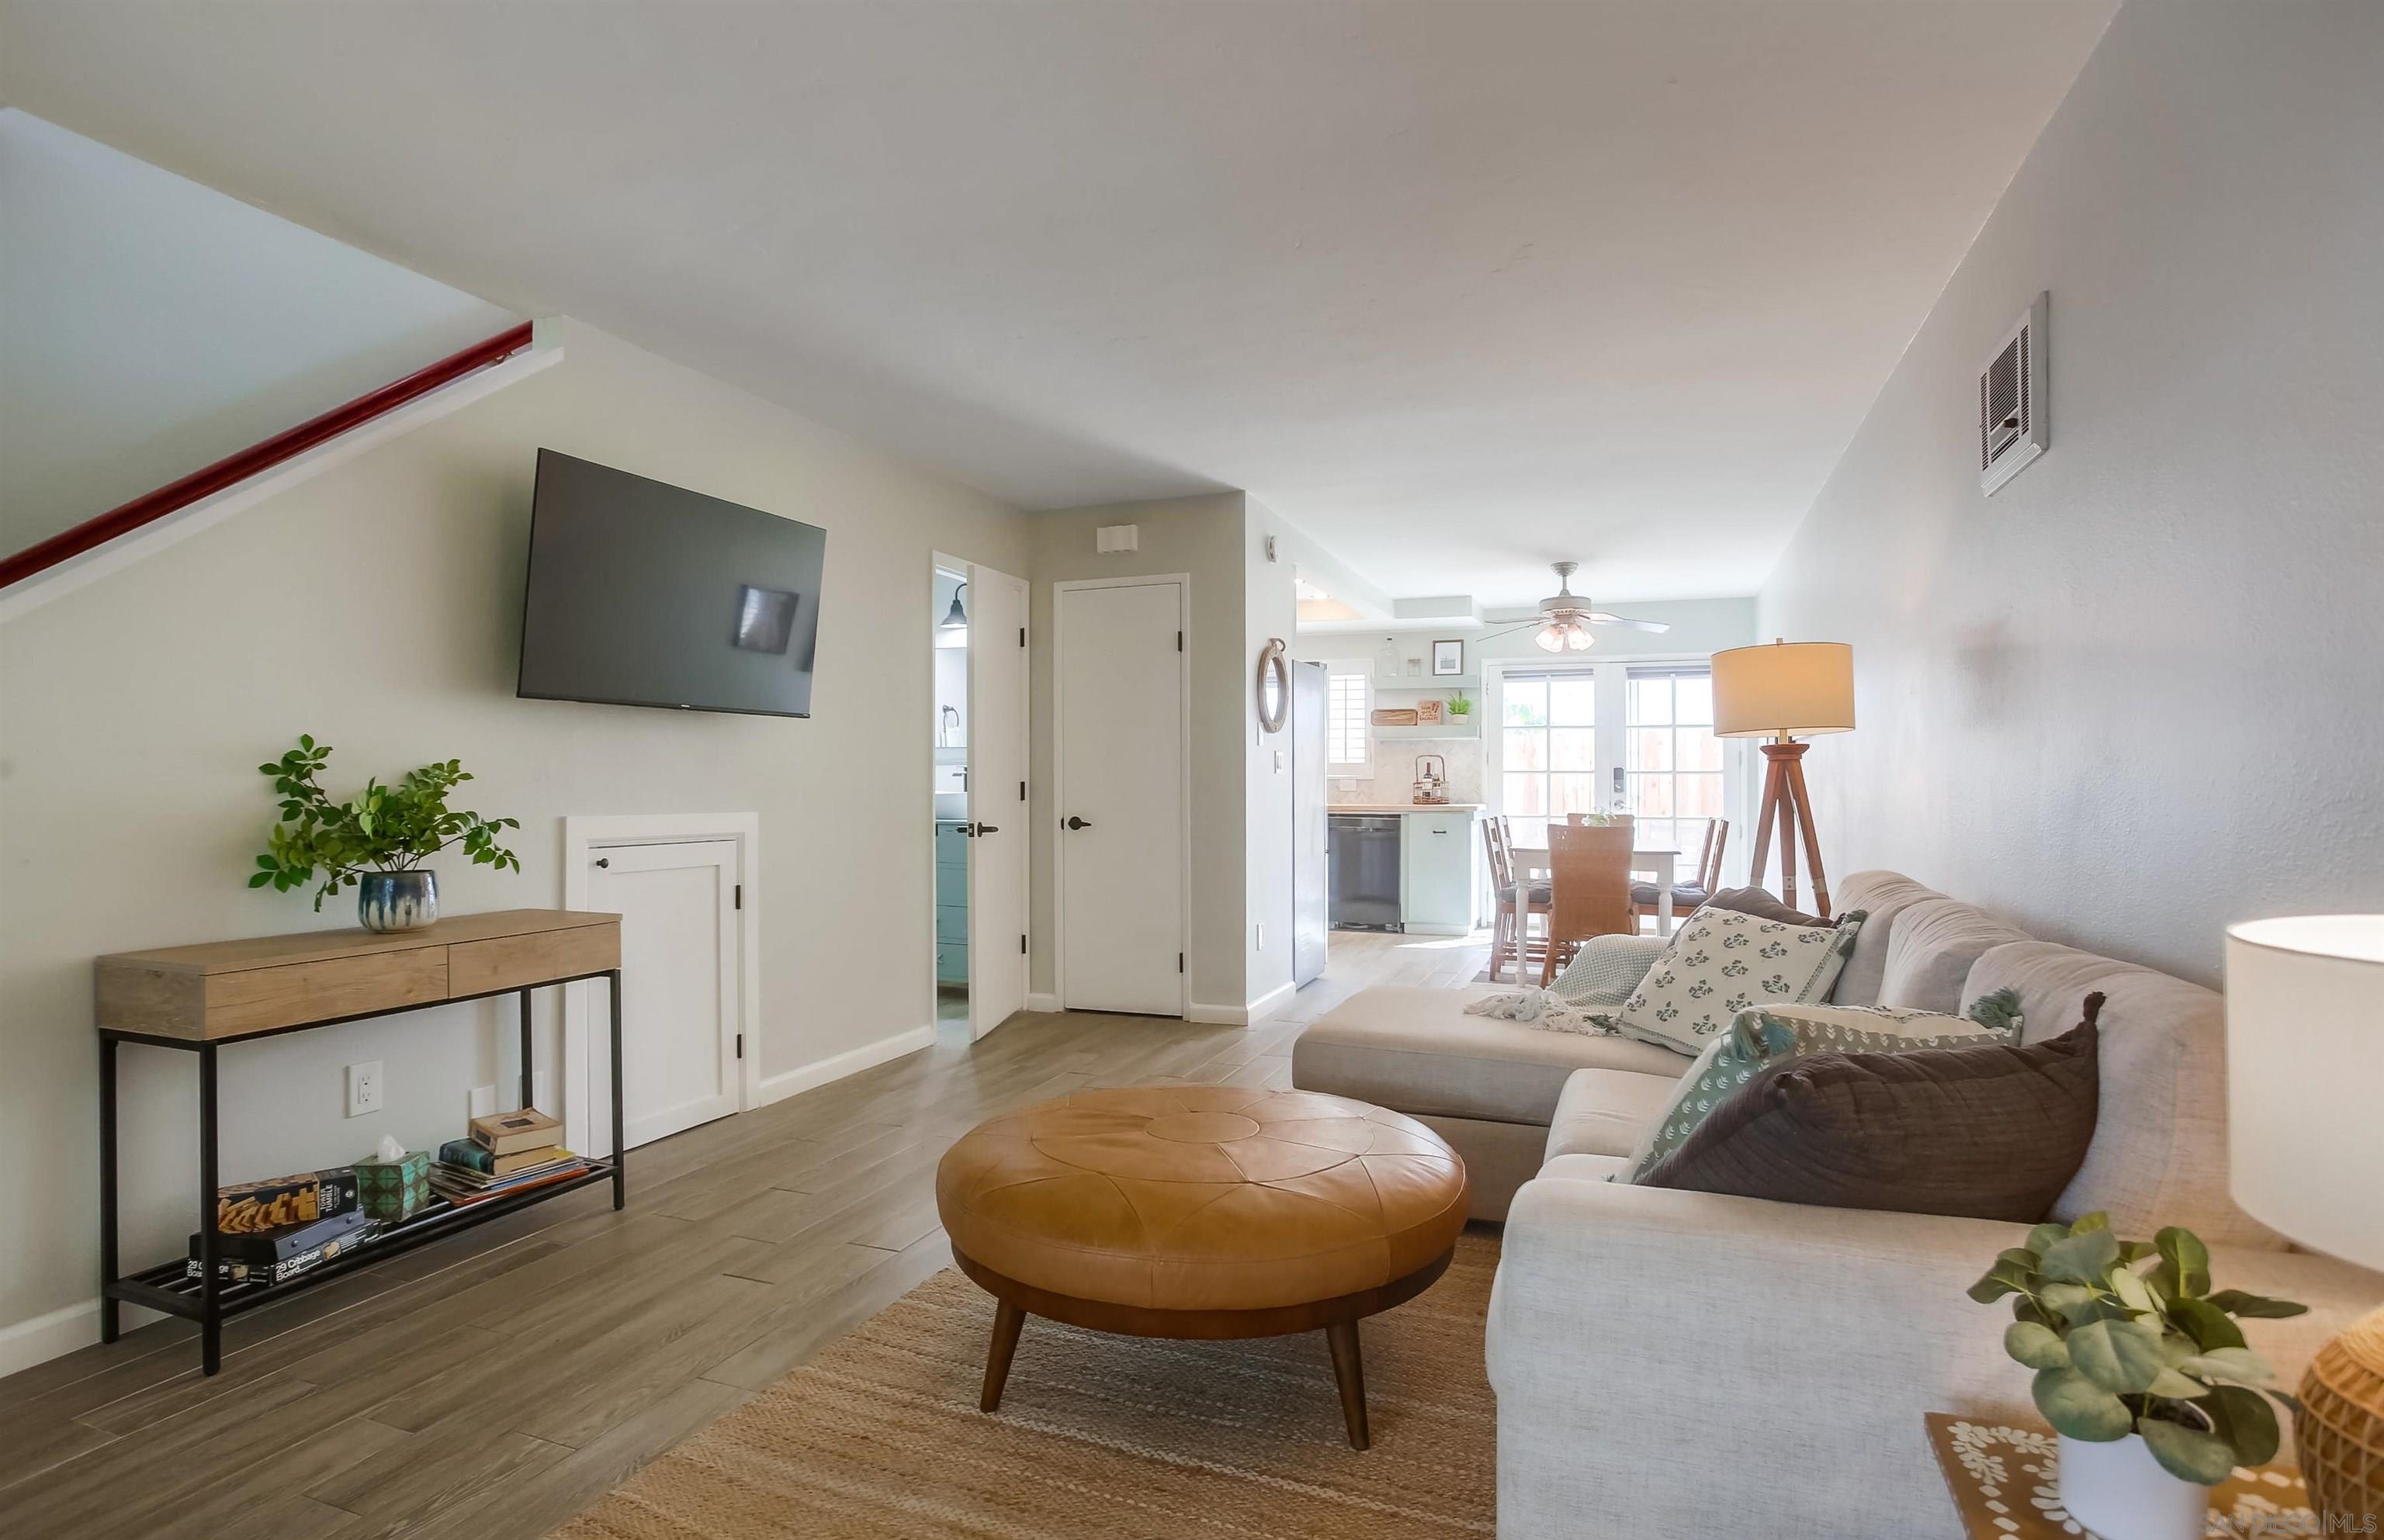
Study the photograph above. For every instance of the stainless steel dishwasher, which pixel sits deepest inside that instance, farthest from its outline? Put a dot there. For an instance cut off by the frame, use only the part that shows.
(1364, 855)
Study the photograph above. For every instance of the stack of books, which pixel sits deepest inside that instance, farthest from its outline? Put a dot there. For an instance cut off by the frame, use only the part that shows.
(507, 1152)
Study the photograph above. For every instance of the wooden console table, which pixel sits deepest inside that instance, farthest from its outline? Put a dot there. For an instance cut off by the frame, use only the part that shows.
(199, 998)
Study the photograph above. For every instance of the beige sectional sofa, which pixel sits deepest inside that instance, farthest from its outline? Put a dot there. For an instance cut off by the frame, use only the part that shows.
(1673, 1364)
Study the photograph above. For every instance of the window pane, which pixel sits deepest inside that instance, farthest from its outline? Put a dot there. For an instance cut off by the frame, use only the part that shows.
(1658, 835)
(1527, 748)
(1574, 702)
(1692, 698)
(1526, 795)
(1699, 750)
(1651, 748)
(1526, 702)
(1572, 748)
(1572, 793)
(1651, 700)
(1529, 834)
(1651, 795)
(1701, 795)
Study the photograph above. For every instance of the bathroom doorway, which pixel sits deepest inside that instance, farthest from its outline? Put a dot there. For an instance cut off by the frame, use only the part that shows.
(949, 649)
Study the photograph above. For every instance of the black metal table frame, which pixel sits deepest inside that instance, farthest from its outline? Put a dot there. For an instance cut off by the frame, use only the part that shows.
(212, 1300)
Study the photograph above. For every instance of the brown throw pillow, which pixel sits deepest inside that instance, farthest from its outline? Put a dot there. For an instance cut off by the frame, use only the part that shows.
(1990, 1132)
(1762, 905)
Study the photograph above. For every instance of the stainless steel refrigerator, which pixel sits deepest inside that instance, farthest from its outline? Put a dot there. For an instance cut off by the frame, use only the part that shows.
(1308, 880)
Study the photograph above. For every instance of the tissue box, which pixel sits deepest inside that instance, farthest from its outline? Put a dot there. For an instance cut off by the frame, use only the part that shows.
(392, 1190)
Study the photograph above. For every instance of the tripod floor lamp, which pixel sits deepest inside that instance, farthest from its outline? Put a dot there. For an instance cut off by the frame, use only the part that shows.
(1783, 692)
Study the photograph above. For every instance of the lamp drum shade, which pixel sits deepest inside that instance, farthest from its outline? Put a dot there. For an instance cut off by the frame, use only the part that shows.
(2305, 1079)
(1798, 688)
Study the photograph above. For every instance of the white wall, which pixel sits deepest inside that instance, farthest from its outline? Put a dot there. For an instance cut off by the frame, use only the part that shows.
(150, 325)
(1271, 611)
(1203, 536)
(2136, 695)
(376, 606)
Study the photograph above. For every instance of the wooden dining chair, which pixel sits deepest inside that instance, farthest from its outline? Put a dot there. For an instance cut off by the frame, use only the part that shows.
(1703, 884)
(1510, 920)
(1590, 890)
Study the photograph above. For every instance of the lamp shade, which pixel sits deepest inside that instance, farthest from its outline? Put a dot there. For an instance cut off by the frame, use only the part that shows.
(2305, 1079)
(1800, 688)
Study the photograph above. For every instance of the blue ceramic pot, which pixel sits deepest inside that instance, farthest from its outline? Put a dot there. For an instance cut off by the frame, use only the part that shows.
(396, 900)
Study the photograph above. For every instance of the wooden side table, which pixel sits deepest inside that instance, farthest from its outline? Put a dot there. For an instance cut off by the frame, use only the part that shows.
(198, 998)
(2000, 1477)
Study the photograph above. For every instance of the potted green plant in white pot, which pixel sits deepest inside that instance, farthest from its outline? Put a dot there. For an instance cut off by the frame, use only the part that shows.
(2141, 1370)
(376, 841)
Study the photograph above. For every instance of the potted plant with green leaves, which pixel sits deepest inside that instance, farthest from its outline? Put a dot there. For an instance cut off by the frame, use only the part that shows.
(1460, 705)
(2141, 1368)
(374, 842)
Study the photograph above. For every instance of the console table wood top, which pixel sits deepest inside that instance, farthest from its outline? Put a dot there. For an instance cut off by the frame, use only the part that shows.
(221, 991)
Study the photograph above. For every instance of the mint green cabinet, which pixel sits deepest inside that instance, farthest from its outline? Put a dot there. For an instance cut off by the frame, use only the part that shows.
(1436, 873)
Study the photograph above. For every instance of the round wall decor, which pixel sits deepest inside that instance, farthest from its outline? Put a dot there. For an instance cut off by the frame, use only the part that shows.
(1274, 685)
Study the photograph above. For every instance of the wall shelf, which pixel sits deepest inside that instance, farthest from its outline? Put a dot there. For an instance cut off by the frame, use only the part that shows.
(1426, 732)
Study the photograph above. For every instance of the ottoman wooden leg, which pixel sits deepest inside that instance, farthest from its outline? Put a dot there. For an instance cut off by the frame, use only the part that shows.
(1007, 1319)
(1349, 1372)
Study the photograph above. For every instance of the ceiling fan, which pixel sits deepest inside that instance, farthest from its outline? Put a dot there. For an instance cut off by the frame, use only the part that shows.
(1565, 617)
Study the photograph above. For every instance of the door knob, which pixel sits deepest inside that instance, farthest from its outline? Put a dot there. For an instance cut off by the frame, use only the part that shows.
(987, 829)
(1075, 822)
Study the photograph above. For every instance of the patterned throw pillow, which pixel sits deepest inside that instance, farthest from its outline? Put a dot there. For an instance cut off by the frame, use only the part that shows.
(1723, 962)
(1759, 1039)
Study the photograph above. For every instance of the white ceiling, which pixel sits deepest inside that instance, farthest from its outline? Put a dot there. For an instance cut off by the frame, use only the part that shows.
(1459, 286)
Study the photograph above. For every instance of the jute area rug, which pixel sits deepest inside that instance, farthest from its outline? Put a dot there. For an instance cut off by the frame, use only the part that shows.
(1115, 1437)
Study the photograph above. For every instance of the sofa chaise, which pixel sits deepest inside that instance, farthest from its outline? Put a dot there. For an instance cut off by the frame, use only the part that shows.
(1674, 1364)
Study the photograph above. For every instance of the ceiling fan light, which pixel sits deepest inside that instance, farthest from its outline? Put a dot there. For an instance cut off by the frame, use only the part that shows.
(1551, 638)
(1578, 638)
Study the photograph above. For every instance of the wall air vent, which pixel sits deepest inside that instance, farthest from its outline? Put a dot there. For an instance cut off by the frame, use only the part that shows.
(2012, 428)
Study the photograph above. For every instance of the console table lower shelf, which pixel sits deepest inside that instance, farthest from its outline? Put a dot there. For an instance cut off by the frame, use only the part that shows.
(199, 999)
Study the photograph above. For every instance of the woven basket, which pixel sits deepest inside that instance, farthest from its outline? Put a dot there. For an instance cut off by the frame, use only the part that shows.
(2339, 1432)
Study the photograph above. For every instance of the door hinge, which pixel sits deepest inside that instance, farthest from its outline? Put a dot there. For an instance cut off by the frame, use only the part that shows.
(1022, 635)
(1021, 791)
(1179, 962)
(740, 895)
(740, 1045)
(1021, 946)
(1179, 641)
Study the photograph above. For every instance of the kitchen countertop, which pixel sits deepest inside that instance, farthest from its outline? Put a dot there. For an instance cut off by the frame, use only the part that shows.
(1404, 806)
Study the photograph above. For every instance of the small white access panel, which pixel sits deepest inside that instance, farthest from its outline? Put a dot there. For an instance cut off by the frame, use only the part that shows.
(680, 972)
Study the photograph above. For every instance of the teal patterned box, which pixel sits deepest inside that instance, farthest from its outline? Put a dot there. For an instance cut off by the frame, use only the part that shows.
(391, 1190)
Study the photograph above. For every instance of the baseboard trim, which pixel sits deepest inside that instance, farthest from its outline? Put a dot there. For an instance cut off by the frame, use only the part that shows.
(869, 1055)
(1046, 1003)
(1272, 1000)
(60, 1331)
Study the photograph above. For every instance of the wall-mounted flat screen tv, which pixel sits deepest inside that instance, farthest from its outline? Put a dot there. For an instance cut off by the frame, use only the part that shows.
(644, 593)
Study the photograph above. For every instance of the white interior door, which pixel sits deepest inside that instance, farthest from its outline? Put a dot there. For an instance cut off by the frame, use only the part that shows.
(997, 782)
(679, 980)
(1121, 795)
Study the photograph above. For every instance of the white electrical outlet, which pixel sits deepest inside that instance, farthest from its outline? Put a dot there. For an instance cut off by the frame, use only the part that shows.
(364, 1087)
(483, 1101)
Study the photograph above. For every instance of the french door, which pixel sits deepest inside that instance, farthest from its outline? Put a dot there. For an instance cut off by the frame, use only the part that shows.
(1632, 738)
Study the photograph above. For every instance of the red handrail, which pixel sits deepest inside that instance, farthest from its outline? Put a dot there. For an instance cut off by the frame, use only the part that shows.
(234, 469)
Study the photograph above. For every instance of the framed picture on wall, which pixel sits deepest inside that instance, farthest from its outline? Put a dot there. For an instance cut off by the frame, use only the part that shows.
(1448, 657)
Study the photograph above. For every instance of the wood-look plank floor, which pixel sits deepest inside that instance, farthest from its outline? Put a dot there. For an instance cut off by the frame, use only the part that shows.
(492, 1385)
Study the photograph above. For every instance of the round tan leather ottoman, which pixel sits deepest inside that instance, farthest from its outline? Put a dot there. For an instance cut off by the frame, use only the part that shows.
(1202, 1212)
